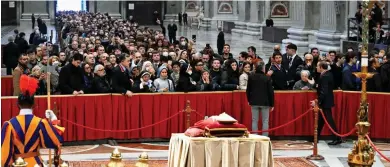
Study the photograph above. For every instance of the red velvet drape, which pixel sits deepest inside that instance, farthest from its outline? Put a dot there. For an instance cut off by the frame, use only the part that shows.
(117, 112)
(7, 88)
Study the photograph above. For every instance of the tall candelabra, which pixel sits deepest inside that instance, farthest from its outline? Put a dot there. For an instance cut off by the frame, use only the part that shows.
(362, 154)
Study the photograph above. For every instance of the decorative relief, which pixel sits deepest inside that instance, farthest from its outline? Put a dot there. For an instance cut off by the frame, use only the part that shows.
(225, 6)
(280, 9)
(191, 6)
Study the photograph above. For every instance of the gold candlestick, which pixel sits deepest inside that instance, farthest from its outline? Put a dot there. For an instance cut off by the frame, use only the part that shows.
(116, 159)
(362, 154)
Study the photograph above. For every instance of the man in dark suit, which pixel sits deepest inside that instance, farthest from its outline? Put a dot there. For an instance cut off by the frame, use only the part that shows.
(326, 99)
(121, 81)
(185, 21)
(260, 95)
(172, 28)
(277, 73)
(71, 79)
(11, 55)
(293, 62)
(33, 20)
(180, 17)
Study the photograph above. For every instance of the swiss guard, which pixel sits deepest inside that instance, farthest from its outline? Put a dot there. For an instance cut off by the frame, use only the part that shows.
(25, 134)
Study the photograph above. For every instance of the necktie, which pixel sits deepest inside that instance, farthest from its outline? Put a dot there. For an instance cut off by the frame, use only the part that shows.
(289, 61)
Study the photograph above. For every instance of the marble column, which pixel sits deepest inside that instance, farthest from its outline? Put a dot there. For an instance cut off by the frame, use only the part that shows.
(39, 8)
(52, 11)
(173, 9)
(240, 24)
(298, 33)
(331, 26)
(253, 27)
(91, 6)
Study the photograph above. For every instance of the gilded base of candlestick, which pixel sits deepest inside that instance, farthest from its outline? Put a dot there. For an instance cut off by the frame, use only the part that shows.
(362, 154)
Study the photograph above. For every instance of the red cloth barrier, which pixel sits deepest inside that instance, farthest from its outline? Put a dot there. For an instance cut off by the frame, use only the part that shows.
(7, 87)
(117, 112)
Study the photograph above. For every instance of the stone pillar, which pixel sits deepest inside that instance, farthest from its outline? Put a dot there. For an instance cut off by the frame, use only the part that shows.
(300, 30)
(240, 25)
(253, 27)
(352, 8)
(39, 8)
(113, 8)
(330, 31)
(173, 9)
(91, 6)
(51, 11)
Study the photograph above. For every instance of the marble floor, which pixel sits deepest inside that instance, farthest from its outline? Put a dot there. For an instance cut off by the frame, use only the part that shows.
(237, 45)
(335, 156)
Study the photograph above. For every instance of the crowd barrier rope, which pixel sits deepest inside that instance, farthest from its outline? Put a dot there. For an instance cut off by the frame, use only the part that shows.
(120, 131)
(281, 126)
(376, 149)
(333, 131)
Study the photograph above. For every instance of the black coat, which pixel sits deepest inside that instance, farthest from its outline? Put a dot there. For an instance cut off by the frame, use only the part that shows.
(145, 89)
(220, 40)
(325, 90)
(279, 78)
(100, 85)
(374, 83)
(10, 55)
(22, 45)
(172, 28)
(259, 90)
(229, 81)
(291, 74)
(121, 82)
(71, 79)
(337, 75)
(385, 75)
(184, 83)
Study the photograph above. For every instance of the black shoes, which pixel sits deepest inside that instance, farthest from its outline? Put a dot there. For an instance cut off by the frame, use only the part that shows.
(335, 142)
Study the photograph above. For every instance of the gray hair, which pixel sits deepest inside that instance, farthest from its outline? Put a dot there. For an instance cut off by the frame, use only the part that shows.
(96, 69)
(305, 72)
(11, 39)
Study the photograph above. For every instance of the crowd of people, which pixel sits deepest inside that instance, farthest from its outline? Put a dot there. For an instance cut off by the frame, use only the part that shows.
(101, 54)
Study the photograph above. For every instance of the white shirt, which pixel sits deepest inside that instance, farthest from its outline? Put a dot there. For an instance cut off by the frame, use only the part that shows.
(25, 112)
(292, 59)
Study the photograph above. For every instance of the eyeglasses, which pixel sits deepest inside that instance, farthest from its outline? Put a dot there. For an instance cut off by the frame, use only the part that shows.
(199, 65)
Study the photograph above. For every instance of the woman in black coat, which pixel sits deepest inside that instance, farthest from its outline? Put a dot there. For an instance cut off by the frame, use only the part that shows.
(230, 77)
(206, 83)
(184, 84)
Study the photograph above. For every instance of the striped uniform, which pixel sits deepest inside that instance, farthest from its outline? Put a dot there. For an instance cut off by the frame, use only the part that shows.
(24, 135)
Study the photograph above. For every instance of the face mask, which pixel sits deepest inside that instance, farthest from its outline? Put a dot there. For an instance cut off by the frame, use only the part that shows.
(380, 60)
(165, 54)
(56, 63)
(189, 72)
(183, 43)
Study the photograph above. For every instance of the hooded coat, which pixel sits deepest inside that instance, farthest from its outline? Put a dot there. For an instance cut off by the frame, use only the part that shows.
(184, 83)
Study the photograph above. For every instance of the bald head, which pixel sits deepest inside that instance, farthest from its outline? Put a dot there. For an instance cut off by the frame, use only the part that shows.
(277, 47)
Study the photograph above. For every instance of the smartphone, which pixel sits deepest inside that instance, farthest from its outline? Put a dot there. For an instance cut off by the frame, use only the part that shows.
(194, 38)
(208, 46)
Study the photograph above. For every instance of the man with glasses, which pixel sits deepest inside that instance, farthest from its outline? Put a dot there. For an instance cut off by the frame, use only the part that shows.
(197, 72)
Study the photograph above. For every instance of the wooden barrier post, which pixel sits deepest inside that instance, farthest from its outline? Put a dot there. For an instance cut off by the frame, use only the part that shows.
(188, 111)
(315, 155)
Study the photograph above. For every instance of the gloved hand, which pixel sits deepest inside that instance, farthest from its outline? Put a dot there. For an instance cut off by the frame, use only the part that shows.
(50, 115)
